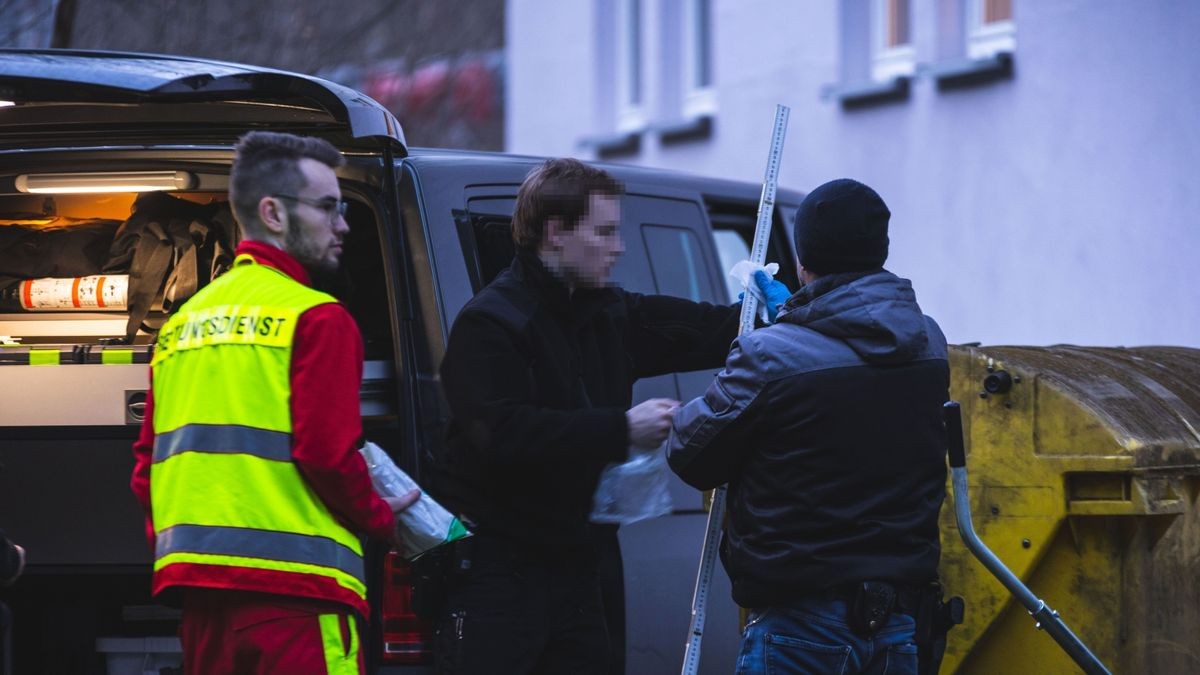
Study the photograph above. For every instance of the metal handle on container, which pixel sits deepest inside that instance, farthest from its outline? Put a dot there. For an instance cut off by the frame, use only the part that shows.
(1045, 617)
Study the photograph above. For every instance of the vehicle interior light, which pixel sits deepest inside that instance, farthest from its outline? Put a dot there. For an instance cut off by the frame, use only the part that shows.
(109, 181)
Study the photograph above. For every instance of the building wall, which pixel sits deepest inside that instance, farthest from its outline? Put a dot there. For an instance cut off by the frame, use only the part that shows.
(1054, 206)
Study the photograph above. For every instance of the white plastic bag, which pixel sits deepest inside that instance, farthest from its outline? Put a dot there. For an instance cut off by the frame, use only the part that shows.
(424, 525)
(634, 490)
(743, 272)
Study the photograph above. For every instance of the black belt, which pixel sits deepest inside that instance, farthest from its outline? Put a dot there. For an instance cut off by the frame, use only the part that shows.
(908, 596)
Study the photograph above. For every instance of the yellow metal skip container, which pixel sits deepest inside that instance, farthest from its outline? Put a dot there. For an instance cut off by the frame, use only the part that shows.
(1084, 466)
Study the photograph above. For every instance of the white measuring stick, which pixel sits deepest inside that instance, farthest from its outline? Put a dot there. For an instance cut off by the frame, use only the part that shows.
(716, 511)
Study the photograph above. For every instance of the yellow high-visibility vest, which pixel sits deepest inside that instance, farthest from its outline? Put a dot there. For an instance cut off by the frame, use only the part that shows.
(230, 507)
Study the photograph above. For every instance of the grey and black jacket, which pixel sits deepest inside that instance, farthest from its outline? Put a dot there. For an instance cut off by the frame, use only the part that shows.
(827, 426)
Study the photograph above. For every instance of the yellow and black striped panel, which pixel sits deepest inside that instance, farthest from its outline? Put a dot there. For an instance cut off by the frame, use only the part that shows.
(119, 355)
(41, 355)
(61, 355)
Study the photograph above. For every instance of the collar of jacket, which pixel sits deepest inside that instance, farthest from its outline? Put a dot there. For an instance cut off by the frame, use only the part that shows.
(875, 313)
(557, 298)
(809, 292)
(266, 254)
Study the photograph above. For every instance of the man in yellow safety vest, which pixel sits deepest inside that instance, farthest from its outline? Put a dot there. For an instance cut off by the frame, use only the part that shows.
(247, 466)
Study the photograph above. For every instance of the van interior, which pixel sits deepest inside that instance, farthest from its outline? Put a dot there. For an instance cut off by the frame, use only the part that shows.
(72, 267)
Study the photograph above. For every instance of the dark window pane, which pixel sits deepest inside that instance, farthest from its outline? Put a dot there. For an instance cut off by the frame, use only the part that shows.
(675, 260)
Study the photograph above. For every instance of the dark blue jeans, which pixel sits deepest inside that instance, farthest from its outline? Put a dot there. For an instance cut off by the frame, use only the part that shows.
(812, 636)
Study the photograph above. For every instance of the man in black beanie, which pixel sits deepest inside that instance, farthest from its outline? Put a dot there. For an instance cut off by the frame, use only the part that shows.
(827, 428)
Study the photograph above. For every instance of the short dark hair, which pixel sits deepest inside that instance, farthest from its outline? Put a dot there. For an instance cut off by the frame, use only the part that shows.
(558, 188)
(268, 163)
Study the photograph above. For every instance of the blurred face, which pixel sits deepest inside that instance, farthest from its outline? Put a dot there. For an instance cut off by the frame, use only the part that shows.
(586, 254)
(316, 227)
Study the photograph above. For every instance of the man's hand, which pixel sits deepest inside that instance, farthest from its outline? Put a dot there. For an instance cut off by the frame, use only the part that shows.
(399, 504)
(774, 291)
(650, 422)
(402, 502)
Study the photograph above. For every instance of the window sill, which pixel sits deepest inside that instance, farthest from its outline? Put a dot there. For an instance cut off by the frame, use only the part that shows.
(682, 131)
(854, 95)
(969, 72)
(614, 145)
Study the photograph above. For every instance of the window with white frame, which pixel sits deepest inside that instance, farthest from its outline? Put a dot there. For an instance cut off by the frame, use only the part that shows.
(699, 97)
(990, 28)
(631, 105)
(891, 38)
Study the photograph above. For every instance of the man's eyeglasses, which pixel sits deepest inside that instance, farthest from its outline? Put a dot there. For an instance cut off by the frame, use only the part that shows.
(332, 207)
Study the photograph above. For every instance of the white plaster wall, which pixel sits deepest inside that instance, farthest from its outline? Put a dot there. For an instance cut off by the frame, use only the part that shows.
(1059, 206)
(550, 76)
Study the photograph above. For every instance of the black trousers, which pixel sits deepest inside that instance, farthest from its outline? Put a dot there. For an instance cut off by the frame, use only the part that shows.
(512, 615)
(612, 593)
(5, 639)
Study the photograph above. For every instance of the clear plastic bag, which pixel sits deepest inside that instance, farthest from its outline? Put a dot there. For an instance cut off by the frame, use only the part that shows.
(421, 527)
(634, 490)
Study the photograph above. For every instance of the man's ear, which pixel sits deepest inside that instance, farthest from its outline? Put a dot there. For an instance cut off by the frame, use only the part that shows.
(272, 215)
(552, 233)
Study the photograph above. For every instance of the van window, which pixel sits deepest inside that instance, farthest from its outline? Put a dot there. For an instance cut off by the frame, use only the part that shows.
(485, 231)
(676, 261)
(663, 252)
(731, 249)
(732, 221)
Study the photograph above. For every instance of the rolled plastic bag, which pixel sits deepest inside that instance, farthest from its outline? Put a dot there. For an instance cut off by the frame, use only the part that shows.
(421, 527)
(637, 489)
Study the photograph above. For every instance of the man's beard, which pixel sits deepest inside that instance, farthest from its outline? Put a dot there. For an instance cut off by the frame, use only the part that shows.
(325, 274)
(303, 250)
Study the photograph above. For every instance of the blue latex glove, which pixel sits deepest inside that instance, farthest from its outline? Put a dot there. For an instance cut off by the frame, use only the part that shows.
(774, 291)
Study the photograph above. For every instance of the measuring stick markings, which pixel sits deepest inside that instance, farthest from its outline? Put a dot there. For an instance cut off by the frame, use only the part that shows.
(716, 512)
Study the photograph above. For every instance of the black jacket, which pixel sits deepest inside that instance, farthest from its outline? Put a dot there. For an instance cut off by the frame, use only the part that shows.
(828, 428)
(10, 560)
(538, 382)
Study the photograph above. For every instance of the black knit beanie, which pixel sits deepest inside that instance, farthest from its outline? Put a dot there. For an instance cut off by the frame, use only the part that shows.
(842, 226)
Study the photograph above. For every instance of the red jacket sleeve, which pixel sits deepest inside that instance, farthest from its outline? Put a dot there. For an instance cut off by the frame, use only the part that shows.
(326, 373)
(143, 455)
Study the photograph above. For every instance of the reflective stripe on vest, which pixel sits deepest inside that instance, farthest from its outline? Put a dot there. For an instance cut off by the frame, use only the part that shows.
(224, 438)
(282, 546)
(223, 446)
(233, 489)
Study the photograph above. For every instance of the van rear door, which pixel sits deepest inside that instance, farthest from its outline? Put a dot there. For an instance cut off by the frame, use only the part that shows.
(57, 98)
